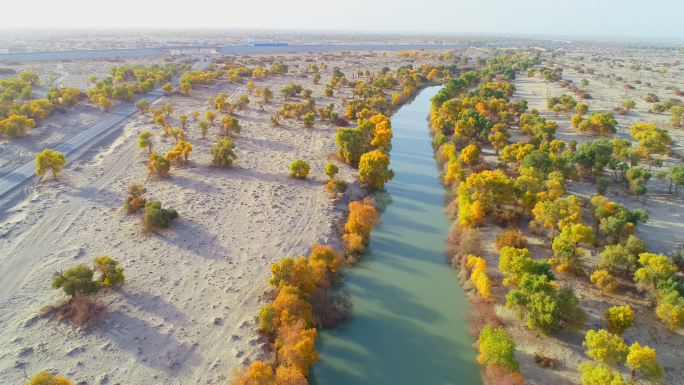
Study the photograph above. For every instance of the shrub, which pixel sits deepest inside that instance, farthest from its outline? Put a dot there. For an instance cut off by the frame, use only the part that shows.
(157, 217)
(77, 280)
(112, 274)
(479, 275)
(47, 378)
(222, 153)
(604, 281)
(336, 186)
(331, 309)
(511, 238)
(159, 164)
(299, 169)
(135, 200)
(463, 242)
(506, 218)
(619, 319)
(308, 119)
(605, 348)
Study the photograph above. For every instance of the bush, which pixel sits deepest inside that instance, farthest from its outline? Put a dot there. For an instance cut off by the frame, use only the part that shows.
(335, 186)
(619, 319)
(331, 309)
(604, 281)
(506, 218)
(463, 242)
(511, 238)
(159, 164)
(497, 348)
(112, 274)
(222, 153)
(135, 200)
(47, 378)
(77, 280)
(157, 217)
(299, 169)
(308, 119)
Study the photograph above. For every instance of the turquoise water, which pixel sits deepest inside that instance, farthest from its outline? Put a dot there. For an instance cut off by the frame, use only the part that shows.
(408, 325)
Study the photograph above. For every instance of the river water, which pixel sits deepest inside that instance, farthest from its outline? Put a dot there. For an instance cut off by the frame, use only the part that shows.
(409, 325)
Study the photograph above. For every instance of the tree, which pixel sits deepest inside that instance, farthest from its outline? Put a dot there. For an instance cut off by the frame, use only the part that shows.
(470, 154)
(593, 374)
(204, 127)
(231, 125)
(627, 255)
(157, 217)
(656, 268)
(539, 160)
(491, 188)
(351, 144)
(145, 141)
(266, 95)
(638, 177)
(362, 218)
(642, 360)
(16, 125)
(331, 170)
(296, 346)
(168, 110)
(652, 140)
(47, 378)
(159, 164)
(105, 103)
(605, 348)
(514, 263)
(566, 251)
(112, 274)
(499, 137)
(602, 185)
(167, 88)
(222, 153)
(183, 120)
(628, 104)
(77, 280)
(497, 348)
(299, 169)
(250, 86)
(186, 87)
(605, 282)
(135, 201)
(309, 119)
(557, 213)
(182, 148)
(373, 169)
(619, 319)
(599, 123)
(581, 109)
(142, 105)
(49, 160)
(676, 177)
(210, 116)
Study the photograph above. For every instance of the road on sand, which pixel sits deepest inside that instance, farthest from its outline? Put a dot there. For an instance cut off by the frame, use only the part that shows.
(16, 177)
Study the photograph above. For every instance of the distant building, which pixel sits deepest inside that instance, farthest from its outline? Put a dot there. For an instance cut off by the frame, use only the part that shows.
(251, 43)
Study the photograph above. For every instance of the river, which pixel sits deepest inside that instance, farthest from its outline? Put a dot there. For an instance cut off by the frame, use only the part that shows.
(409, 324)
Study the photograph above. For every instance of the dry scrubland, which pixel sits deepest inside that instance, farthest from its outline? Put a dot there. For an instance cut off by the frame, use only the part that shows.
(661, 234)
(187, 311)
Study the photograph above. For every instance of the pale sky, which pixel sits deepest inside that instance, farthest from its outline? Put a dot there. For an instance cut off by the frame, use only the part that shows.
(614, 18)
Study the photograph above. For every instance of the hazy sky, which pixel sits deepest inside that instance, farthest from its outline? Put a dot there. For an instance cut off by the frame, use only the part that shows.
(632, 18)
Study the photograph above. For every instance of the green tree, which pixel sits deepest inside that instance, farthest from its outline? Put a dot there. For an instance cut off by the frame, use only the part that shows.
(497, 348)
(602, 185)
(638, 177)
(77, 280)
(594, 374)
(157, 217)
(204, 127)
(351, 144)
(222, 153)
(676, 177)
(566, 251)
(49, 160)
(309, 119)
(514, 263)
(299, 169)
(628, 104)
